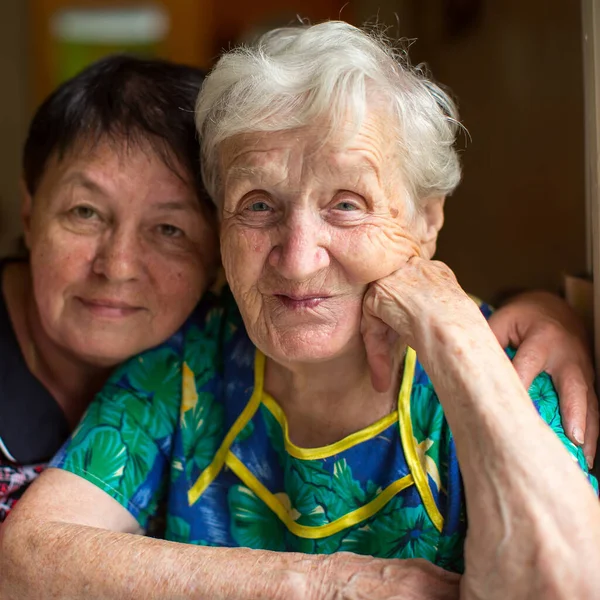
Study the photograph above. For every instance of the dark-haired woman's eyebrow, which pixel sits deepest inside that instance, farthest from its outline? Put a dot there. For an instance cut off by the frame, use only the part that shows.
(81, 179)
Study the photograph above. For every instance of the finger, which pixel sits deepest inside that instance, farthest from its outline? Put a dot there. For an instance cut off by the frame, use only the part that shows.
(502, 324)
(529, 361)
(379, 355)
(592, 428)
(380, 364)
(572, 391)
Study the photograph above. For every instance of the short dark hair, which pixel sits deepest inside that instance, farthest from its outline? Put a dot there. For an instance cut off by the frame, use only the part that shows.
(120, 97)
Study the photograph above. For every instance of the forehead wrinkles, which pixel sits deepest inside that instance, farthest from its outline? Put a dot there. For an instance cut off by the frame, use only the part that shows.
(363, 153)
(258, 164)
(296, 158)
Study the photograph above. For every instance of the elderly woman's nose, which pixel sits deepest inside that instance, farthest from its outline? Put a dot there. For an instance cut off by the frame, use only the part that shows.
(300, 252)
(119, 257)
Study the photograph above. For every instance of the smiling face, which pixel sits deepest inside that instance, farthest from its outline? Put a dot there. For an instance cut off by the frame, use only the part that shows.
(305, 227)
(120, 251)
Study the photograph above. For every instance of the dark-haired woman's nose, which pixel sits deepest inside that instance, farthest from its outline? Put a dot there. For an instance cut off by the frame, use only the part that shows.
(119, 257)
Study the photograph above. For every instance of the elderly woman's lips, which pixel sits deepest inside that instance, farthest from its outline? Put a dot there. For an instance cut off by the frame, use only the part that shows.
(299, 302)
(109, 308)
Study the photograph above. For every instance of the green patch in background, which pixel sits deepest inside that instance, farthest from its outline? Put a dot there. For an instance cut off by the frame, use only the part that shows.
(84, 35)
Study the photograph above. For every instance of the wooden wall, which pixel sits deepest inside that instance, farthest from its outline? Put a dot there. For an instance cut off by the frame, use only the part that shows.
(518, 218)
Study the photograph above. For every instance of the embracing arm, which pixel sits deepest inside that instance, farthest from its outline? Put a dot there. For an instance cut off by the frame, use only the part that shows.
(550, 337)
(534, 522)
(52, 549)
(55, 546)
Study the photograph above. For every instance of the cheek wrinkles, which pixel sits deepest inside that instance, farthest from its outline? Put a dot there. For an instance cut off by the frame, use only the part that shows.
(238, 240)
(375, 250)
(244, 253)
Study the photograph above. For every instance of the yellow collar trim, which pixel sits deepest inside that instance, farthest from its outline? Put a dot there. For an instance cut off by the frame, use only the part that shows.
(321, 531)
(418, 477)
(331, 449)
(409, 444)
(349, 441)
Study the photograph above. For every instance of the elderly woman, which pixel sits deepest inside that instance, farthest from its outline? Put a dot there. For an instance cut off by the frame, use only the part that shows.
(292, 419)
(121, 247)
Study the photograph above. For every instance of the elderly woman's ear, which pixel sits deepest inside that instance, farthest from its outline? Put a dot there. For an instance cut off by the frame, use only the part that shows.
(432, 213)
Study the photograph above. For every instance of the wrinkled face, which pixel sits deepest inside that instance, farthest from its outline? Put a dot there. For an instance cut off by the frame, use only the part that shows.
(305, 228)
(120, 251)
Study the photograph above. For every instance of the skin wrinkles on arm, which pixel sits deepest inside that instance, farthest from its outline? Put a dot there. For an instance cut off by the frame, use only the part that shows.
(72, 560)
(52, 547)
(527, 499)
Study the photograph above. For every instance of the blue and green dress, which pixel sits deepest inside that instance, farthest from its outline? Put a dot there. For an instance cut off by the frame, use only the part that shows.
(189, 424)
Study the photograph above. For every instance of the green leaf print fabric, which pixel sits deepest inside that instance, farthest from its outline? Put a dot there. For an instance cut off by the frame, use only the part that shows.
(122, 444)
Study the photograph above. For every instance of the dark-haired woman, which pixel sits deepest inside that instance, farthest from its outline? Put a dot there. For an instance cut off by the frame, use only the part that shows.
(122, 245)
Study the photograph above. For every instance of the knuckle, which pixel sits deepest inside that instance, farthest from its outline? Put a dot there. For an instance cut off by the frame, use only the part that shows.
(443, 269)
(573, 387)
(529, 361)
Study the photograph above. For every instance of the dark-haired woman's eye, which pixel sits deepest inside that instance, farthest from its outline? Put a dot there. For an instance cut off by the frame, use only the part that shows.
(84, 212)
(170, 231)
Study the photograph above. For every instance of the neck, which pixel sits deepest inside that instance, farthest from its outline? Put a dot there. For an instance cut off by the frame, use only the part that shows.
(329, 400)
(71, 381)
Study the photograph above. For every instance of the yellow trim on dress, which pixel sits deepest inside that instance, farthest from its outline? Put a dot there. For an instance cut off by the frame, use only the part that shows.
(320, 531)
(417, 476)
(210, 473)
(331, 449)
(409, 444)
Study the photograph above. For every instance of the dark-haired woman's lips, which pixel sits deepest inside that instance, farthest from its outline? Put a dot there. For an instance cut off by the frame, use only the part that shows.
(108, 308)
(300, 302)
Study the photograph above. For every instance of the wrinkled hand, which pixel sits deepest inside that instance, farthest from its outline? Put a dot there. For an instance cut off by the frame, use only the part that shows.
(353, 577)
(420, 300)
(550, 337)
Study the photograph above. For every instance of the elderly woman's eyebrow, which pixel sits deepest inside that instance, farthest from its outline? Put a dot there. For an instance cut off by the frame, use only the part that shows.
(236, 175)
(241, 173)
(362, 172)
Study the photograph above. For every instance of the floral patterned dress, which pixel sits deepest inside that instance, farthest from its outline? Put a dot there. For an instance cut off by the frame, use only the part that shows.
(189, 423)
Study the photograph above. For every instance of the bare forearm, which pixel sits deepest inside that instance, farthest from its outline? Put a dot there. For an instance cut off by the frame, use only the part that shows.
(62, 561)
(59, 560)
(534, 522)
(527, 500)
(495, 423)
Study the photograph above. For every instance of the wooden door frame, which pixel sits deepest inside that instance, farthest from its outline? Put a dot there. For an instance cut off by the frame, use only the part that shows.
(590, 13)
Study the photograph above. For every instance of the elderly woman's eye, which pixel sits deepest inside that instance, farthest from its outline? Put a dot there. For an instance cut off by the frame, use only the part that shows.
(84, 212)
(259, 206)
(170, 231)
(346, 206)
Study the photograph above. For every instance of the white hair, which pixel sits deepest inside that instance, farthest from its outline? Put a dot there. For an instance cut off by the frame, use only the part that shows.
(296, 75)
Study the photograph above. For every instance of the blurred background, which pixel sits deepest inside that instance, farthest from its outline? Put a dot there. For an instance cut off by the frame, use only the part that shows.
(517, 221)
